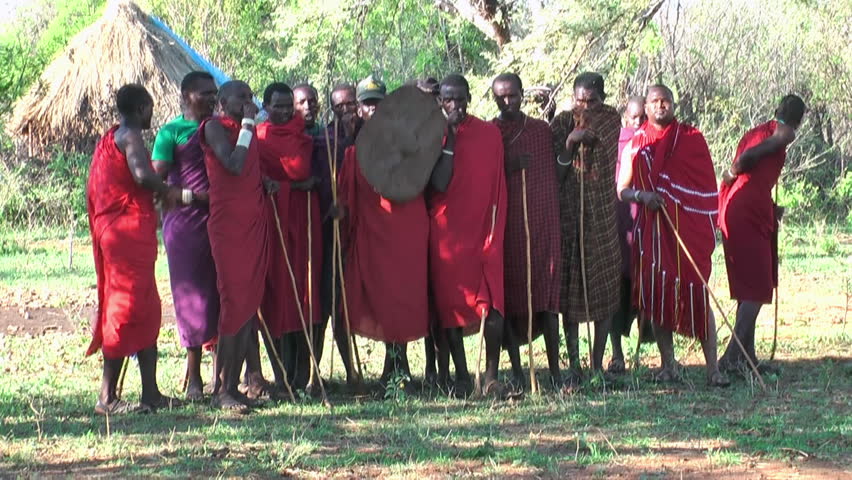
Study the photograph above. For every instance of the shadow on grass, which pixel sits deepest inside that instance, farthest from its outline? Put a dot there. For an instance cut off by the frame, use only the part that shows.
(806, 409)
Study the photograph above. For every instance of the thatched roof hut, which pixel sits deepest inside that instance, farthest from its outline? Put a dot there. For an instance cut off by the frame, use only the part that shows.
(72, 104)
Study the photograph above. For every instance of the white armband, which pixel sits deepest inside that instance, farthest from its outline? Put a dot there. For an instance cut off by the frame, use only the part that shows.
(247, 122)
(186, 196)
(244, 140)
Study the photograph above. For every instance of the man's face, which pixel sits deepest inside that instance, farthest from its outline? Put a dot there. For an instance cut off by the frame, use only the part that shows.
(201, 98)
(233, 104)
(634, 115)
(659, 107)
(508, 97)
(586, 99)
(307, 105)
(454, 100)
(343, 103)
(146, 113)
(280, 108)
(367, 108)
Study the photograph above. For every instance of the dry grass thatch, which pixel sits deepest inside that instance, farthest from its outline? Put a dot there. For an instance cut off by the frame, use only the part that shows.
(73, 102)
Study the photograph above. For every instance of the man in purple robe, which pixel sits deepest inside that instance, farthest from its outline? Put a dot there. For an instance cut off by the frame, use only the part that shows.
(177, 156)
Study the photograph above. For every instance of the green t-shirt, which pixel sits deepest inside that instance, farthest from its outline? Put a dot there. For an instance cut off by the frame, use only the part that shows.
(175, 132)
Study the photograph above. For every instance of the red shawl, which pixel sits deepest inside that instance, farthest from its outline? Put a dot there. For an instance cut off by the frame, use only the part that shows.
(748, 224)
(238, 231)
(123, 225)
(676, 163)
(285, 156)
(386, 259)
(467, 228)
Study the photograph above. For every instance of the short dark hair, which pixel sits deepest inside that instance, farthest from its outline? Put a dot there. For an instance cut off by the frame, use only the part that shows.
(591, 81)
(508, 77)
(455, 80)
(637, 99)
(129, 98)
(791, 109)
(191, 79)
(273, 88)
(305, 86)
(228, 87)
(665, 89)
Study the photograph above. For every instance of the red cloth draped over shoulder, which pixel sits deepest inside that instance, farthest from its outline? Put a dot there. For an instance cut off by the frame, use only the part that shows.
(467, 229)
(748, 223)
(285, 156)
(676, 163)
(123, 225)
(238, 231)
(386, 259)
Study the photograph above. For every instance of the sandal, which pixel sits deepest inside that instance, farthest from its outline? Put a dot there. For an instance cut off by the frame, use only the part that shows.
(616, 367)
(718, 380)
(116, 407)
(163, 402)
(231, 405)
(667, 375)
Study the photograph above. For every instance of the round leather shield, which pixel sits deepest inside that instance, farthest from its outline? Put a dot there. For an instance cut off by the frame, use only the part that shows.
(400, 145)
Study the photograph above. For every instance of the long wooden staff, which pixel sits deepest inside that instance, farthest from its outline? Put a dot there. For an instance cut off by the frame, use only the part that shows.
(275, 354)
(712, 295)
(337, 260)
(477, 389)
(583, 258)
(533, 383)
(121, 377)
(310, 290)
(777, 276)
(296, 292)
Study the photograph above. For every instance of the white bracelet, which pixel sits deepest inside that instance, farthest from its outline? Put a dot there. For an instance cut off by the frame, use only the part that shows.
(186, 196)
(636, 194)
(560, 163)
(248, 122)
(244, 140)
(731, 173)
(448, 152)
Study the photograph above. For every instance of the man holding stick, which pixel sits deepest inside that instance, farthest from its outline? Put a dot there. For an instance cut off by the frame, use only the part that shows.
(123, 224)
(468, 219)
(672, 180)
(238, 229)
(533, 204)
(586, 143)
(749, 222)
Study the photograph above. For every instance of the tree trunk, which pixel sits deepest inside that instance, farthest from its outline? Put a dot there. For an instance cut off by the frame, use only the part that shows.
(491, 17)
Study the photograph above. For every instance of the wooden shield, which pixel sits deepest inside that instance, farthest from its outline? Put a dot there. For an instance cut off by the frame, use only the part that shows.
(400, 145)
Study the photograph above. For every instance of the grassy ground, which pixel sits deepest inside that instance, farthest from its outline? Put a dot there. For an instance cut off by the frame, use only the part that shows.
(632, 428)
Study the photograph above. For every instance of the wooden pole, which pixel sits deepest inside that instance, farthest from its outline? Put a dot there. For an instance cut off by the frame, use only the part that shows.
(310, 291)
(275, 355)
(296, 292)
(777, 278)
(713, 296)
(121, 375)
(583, 260)
(533, 383)
(477, 387)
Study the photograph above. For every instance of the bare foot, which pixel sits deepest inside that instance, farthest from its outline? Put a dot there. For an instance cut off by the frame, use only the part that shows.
(718, 379)
(616, 366)
(116, 407)
(667, 375)
(226, 401)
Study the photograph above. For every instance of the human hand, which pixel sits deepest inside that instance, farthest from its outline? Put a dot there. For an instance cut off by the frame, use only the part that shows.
(305, 185)
(652, 200)
(728, 177)
(270, 186)
(518, 162)
(250, 110)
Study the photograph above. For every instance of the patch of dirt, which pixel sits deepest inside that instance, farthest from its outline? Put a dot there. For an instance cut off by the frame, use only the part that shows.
(40, 321)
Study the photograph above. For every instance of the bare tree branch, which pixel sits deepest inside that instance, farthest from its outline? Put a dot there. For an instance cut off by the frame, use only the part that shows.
(491, 17)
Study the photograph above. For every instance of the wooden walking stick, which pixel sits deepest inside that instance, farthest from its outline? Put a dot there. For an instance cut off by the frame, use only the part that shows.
(310, 292)
(777, 275)
(533, 383)
(121, 377)
(477, 387)
(713, 296)
(275, 355)
(296, 292)
(583, 259)
(337, 259)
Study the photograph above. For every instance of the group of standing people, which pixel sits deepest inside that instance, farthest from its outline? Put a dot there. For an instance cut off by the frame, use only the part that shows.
(272, 230)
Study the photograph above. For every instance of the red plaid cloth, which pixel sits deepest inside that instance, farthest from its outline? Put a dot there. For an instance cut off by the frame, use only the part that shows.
(532, 138)
(601, 249)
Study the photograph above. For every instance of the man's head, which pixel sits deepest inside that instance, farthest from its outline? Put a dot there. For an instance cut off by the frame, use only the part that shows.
(306, 101)
(659, 105)
(429, 85)
(135, 105)
(508, 91)
(233, 97)
(454, 97)
(278, 103)
(588, 91)
(369, 93)
(790, 111)
(634, 112)
(198, 92)
(343, 100)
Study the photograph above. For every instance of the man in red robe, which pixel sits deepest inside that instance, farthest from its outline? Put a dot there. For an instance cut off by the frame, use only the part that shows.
(238, 231)
(123, 224)
(533, 204)
(285, 156)
(672, 172)
(747, 217)
(468, 219)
